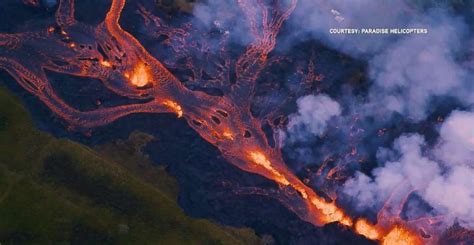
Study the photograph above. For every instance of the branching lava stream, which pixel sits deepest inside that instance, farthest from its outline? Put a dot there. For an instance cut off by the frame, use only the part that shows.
(112, 55)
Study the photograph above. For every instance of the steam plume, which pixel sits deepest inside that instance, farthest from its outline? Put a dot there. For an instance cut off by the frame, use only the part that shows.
(407, 73)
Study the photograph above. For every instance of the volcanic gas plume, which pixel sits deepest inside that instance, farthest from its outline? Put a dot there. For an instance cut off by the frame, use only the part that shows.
(226, 119)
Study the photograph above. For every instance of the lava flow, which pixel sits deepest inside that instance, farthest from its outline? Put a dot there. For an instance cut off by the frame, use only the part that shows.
(112, 55)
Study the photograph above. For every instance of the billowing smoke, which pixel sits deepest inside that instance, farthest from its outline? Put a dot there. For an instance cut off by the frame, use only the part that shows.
(312, 117)
(457, 140)
(415, 69)
(407, 70)
(442, 175)
(412, 166)
(453, 192)
(407, 73)
(309, 123)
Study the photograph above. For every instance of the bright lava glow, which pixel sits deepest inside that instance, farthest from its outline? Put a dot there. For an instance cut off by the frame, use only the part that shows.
(368, 230)
(252, 153)
(140, 75)
(174, 106)
(260, 159)
(399, 235)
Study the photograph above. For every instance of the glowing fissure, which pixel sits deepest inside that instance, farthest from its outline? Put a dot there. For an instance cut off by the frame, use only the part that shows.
(126, 68)
(261, 160)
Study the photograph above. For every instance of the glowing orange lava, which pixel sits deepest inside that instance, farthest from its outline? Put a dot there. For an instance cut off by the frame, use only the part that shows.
(363, 227)
(228, 135)
(330, 212)
(174, 106)
(399, 235)
(106, 63)
(260, 159)
(224, 121)
(140, 76)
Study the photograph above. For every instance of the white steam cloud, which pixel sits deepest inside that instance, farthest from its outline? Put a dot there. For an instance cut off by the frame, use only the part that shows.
(442, 176)
(407, 73)
(312, 117)
(415, 69)
(457, 139)
(408, 70)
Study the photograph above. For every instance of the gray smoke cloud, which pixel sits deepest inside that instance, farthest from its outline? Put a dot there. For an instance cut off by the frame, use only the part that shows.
(314, 113)
(414, 69)
(411, 167)
(442, 175)
(407, 72)
(457, 139)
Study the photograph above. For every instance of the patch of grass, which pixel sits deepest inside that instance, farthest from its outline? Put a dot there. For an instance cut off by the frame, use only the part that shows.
(59, 191)
(61, 169)
(128, 153)
(3, 122)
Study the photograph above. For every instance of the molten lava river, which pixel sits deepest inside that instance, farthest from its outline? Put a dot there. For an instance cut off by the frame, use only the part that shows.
(217, 102)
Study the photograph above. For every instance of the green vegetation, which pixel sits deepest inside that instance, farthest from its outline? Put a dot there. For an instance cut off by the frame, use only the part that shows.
(58, 191)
